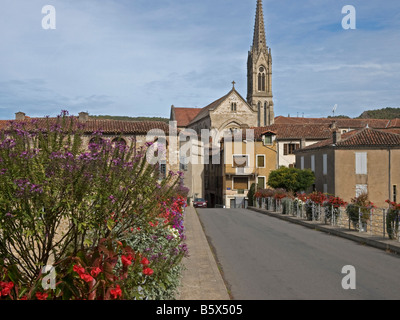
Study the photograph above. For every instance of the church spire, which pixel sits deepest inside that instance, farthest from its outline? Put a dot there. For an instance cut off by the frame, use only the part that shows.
(259, 73)
(259, 39)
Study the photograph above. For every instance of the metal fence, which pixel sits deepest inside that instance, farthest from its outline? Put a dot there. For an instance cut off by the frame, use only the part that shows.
(377, 221)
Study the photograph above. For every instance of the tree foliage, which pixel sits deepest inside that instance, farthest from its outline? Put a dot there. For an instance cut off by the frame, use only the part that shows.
(291, 179)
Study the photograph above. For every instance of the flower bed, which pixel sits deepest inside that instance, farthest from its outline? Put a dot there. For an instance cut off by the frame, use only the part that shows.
(100, 216)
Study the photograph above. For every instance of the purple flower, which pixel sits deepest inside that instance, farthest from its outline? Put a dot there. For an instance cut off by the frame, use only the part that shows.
(112, 198)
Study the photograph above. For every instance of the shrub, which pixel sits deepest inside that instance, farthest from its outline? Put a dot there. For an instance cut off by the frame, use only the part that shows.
(392, 219)
(332, 207)
(359, 209)
(61, 203)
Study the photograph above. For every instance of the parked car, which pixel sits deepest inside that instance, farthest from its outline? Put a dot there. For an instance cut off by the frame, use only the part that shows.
(200, 203)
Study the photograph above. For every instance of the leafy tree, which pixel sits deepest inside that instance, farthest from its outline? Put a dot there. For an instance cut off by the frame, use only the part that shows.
(251, 194)
(291, 179)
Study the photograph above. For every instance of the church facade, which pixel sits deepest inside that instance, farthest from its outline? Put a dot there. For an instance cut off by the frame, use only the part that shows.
(227, 183)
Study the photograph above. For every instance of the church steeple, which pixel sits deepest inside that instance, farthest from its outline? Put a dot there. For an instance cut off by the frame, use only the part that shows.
(259, 73)
(259, 39)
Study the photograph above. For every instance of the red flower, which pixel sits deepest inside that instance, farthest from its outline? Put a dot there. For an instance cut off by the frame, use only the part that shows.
(95, 272)
(126, 260)
(79, 270)
(86, 277)
(145, 262)
(147, 271)
(6, 288)
(116, 293)
(41, 296)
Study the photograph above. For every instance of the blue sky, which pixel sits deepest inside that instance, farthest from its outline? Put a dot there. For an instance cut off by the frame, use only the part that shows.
(138, 57)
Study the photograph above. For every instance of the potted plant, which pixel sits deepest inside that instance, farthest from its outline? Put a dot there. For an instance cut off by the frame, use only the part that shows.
(359, 211)
(392, 219)
(332, 208)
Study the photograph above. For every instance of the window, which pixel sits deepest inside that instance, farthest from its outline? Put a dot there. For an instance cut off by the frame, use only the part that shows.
(163, 169)
(302, 163)
(361, 189)
(183, 164)
(119, 141)
(361, 163)
(325, 164)
(260, 161)
(259, 114)
(289, 148)
(265, 113)
(395, 193)
(325, 188)
(240, 161)
(233, 106)
(240, 183)
(261, 79)
(313, 163)
(268, 139)
(261, 182)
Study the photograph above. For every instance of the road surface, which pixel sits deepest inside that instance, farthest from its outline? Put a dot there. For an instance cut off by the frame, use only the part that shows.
(264, 258)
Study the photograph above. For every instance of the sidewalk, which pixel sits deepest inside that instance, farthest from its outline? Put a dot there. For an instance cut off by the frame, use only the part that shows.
(201, 279)
(360, 237)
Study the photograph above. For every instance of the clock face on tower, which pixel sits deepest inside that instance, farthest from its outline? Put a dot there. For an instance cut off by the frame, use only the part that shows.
(261, 69)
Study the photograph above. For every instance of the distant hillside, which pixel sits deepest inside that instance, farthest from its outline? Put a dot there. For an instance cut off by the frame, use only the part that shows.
(386, 113)
(339, 117)
(126, 118)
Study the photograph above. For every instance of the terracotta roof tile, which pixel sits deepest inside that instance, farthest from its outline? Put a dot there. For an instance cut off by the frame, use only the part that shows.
(297, 131)
(367, 137)
(183, 116)
(341, 123)
(93, 125)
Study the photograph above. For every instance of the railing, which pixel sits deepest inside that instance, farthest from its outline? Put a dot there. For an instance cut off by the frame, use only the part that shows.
(377, 221)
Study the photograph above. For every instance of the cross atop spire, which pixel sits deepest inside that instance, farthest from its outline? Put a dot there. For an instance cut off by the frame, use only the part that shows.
(259, 39)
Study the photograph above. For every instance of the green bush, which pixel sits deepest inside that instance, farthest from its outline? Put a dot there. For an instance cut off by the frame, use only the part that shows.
(392, 223)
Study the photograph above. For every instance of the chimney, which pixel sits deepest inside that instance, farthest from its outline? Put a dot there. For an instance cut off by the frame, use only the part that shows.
(303, 143)
(83, 116)
(336, 134)
(20, 116)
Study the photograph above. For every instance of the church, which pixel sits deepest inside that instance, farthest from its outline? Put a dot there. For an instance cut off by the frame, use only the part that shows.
(227, 183)
(232, 111)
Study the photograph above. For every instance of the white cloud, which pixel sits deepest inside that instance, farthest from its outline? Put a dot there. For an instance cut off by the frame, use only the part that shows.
(136, 57)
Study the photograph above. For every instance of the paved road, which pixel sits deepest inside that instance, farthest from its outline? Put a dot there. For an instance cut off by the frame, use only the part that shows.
(264, 258)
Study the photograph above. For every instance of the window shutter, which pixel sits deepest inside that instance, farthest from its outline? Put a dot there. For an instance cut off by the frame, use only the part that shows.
(313, 163)
(285, 149)
(325, 164)
(361, 163)
(240, 183)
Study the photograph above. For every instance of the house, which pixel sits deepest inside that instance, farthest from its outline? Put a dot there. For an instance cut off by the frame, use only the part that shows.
(246, 158)
(360, 161)
(230, 113)
(131, 133)
(291, 137)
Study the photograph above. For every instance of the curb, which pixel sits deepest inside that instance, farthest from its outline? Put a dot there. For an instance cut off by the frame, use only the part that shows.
(383, 244)
(201, 279)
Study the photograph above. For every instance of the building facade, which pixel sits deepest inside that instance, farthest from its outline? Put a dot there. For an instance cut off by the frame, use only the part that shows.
(356, 162)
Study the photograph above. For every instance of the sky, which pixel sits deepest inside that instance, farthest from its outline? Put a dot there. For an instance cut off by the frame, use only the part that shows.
(139, 57)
